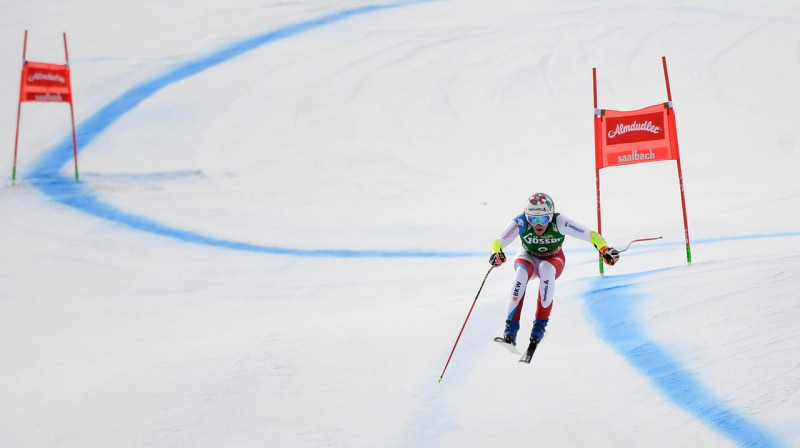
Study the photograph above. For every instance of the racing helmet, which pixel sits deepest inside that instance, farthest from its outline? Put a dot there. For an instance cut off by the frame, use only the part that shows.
(539, 209)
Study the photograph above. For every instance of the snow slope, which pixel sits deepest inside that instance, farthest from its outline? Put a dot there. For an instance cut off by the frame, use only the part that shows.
(285, 210)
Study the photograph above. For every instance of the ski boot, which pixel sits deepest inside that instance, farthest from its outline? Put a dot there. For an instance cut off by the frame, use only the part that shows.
(510, 334)
(538, 328)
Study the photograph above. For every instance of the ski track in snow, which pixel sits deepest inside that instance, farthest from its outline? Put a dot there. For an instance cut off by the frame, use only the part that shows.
(615, 320)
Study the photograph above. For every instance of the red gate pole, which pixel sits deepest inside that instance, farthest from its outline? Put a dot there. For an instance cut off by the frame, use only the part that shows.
(597, 162)
(71, 112)
(678, 160)
(19, 109)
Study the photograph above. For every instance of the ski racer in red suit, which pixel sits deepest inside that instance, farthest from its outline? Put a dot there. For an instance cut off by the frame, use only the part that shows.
(541, 231)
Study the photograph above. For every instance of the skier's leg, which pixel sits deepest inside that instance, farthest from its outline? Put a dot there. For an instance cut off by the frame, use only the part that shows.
(523, 269)
(548, 270)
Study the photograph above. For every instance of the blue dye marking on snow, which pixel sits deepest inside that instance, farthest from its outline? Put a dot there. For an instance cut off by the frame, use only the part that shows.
(68, 192)
(45, 174)
(612, 304)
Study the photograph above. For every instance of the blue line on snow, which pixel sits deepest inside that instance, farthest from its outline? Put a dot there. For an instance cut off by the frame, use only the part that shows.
(45, 174)
(612, 304)
(73, 194)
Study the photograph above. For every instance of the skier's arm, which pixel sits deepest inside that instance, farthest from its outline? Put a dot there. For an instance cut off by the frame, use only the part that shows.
(511, 232)
(572, 228)
(508, 235)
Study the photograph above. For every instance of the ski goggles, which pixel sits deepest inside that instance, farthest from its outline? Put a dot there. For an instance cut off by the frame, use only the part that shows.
(533, 220)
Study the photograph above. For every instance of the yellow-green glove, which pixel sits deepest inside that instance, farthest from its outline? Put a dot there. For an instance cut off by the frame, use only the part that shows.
(498, 257)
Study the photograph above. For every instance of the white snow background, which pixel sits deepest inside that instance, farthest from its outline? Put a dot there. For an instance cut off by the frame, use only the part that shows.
(285, 211)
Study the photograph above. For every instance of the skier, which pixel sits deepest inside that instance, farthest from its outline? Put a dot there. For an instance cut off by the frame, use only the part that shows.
(542, 232)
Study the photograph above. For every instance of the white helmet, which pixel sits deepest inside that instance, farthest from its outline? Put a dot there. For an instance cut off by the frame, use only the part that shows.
(539, 206)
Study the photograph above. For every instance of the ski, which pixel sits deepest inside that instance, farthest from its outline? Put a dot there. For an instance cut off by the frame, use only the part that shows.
(531, 349)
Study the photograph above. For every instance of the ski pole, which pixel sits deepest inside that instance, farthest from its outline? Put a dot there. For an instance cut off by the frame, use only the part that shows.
(465, 323)
(638, 240)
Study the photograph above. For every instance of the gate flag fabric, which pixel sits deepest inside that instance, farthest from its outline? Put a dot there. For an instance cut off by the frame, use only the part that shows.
(637, 136)
(45, 82)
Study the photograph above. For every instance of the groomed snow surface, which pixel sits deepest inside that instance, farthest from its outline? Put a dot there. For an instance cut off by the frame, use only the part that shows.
(285, 209)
